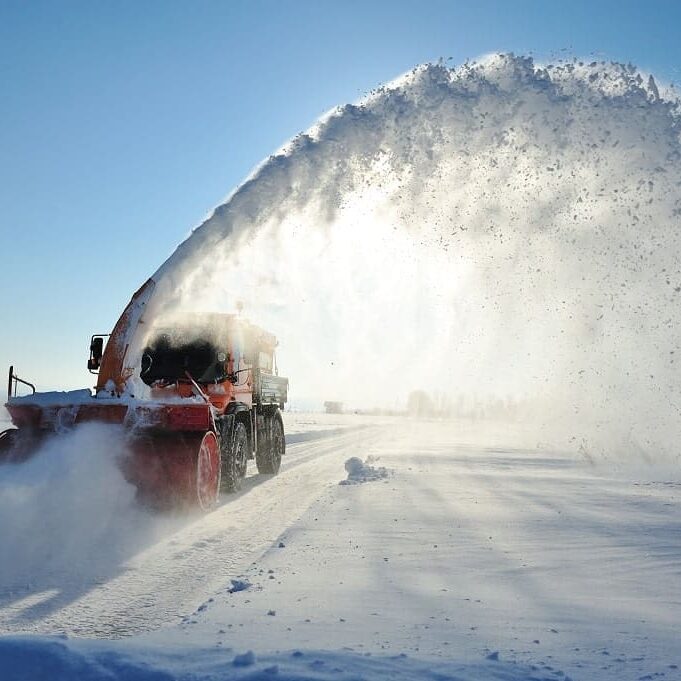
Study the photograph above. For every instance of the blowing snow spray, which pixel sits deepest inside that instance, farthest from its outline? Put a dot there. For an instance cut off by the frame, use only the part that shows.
(499, 233)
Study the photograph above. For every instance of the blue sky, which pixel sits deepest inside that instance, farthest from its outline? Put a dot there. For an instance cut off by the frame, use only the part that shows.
(123, 123)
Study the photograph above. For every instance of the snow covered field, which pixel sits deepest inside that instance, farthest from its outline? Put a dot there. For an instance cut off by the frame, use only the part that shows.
(477, 557)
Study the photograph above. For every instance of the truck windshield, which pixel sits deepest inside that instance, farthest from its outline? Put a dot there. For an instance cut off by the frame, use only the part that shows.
(168, 359)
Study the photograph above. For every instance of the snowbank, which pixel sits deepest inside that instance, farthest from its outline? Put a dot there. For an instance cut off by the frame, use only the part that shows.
(54, 659)
(360, 471)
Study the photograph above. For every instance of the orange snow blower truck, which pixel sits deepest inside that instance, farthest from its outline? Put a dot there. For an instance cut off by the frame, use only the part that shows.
(199, 400)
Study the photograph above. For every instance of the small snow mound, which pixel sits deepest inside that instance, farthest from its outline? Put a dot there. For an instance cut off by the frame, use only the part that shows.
(239, 585)
(359, 471)
(245, 660)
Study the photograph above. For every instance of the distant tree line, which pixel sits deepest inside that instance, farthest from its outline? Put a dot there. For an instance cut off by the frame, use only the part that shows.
(439, 405)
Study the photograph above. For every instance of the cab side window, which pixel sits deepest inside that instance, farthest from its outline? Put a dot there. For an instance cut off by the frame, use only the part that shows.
(265, 362)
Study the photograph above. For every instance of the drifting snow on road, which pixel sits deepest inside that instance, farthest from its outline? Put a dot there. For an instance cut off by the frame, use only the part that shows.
(477, 545)
(67, 512)
(478, 555)
(81, 557)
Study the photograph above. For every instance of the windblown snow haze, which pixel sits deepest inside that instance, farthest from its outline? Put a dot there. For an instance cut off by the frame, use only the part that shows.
(68, 512)
(498, 231)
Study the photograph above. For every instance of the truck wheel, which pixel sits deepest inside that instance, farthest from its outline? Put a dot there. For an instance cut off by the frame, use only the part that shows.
(16, 446)
(268, 458)
(174, 470)
(234, 460)
(8, 439)
(243, 462)
(208, 472)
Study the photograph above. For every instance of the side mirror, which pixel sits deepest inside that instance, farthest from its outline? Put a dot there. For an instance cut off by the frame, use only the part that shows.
(96, 353)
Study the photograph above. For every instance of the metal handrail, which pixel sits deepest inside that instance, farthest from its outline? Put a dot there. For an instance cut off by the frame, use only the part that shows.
(13, 382)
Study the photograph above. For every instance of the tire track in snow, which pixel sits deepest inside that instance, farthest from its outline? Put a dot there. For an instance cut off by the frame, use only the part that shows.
(172, 577)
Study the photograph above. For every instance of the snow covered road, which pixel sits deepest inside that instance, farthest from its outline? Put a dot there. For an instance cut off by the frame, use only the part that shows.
(470, 550)
(191, 555)
(476, 550)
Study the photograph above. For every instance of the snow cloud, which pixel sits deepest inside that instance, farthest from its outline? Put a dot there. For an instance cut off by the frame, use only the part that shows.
(497, 229)
(67, 511)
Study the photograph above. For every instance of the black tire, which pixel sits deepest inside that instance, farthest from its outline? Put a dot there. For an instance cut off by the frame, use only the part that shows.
(8, 440)
(243, 461)
(17, 445)
(268, 456)
(234, 459)
(205, 473)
